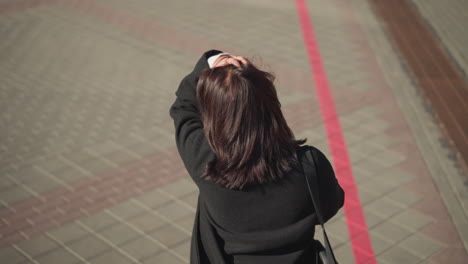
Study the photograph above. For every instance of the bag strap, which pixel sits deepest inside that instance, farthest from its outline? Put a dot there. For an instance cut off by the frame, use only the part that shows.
(311, 169)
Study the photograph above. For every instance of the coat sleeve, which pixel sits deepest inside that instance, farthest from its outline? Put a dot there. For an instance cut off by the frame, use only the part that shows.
(190, 138)
(331, 195)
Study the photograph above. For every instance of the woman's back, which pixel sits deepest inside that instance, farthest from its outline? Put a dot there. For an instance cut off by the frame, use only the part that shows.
(257, 207)
(271, 220)
(263, 221)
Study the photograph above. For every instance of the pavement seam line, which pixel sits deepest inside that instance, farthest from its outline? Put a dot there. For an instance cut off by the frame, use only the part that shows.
(24, 253)
(55, 179)
(149, 237)
(18, 183)
(76, 166)
(66, 247)
(108, 242)
(179, 201)
(168, 221)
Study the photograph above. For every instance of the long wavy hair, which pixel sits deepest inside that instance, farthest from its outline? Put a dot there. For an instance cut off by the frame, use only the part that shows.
(245, 127)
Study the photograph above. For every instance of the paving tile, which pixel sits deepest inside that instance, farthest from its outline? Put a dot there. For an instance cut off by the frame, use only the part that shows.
(51, 163)
(183, 249)
(37, 245)
(450, 255)
(89, 246)
(353, 136)
(373, 219)
(119, 233)
(442, 230)
(339, 216)
(174, 211)
(384, 141)
(27, 261)
(141, 247)
(59, 255)
(395, 176)
(361, 176)
(383, 207)
(364, 149)
(180, 187)
(68, 232)
(399, 255)
(163, 257)
(121, 156)
(344, 254)
(6, 183)
(364, 134)
(79, 156)
(96, 165)
(186, 223)
(348, 121)
(379, 245)
(111, 256)
(143, 149)
(366, 194)
(128, 141)
(388, 157)
(153, 198)
(105, 147)
(421, 246)
(147, 222)
(25, 173)
(356, 157)
(70, 174)
(361, 171)
(366, 112)
(404, 197)
(14, 194)
(390, 232)
(338, 229)
(42, 184)
(379, 186)
(411, 219)
(99, 220)
(370, 166)
(191, 199)
(11, 255)
(30, 176)
(127, 209)
(452, 37)
(169, 235)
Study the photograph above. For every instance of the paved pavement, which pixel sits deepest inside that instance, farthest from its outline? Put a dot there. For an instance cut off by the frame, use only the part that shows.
(89, 172)
(450, 15)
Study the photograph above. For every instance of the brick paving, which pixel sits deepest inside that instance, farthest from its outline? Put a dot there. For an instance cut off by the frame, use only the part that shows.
(433, 70)
(89, 172)
(439, 17)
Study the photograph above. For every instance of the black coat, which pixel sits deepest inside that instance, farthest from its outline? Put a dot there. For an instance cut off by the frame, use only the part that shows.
(269, 223)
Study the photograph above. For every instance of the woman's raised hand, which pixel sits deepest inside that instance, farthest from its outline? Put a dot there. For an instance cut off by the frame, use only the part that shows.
(225, 60)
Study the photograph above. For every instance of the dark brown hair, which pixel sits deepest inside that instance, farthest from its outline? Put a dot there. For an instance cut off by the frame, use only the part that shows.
(245, 127)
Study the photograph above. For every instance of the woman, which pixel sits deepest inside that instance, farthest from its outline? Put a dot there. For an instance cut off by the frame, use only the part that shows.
(254, 206)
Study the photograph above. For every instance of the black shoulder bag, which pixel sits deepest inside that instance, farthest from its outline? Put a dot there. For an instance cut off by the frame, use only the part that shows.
(323, 254)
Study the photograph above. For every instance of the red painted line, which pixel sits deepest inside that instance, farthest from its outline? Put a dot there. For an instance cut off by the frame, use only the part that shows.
(355, 220)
